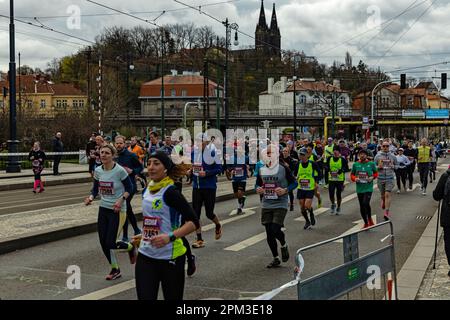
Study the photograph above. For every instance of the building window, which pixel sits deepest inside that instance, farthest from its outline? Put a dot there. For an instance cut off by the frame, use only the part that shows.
(184, 93)
(29, 104)
(64, 104)
(410, 101)
(43, 104)
(75, 104)
(81, 103)
(302, 99)
(342, 100)
(316, 100)
(58, 103)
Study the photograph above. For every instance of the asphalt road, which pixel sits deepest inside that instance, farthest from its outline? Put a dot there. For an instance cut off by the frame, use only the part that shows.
(41, 272)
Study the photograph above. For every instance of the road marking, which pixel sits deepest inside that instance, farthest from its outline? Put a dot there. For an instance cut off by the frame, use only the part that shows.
(27, 205)
(244, 211)
(110, 291)
(241, 216)
(359, 225)
(31, 201)
(247, 243)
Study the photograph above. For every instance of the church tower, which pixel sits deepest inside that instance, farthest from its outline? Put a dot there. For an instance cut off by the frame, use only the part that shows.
(275, 36)
(262, 32)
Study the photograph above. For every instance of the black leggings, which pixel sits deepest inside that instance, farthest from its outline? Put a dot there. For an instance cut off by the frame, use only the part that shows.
(433, 167)
(151, 272)
(335, 186)
(447, 243)
(291, 197)
(131, 217)
(364, 206)
(410, 173)
(401, 177)
(207, 197)
(109, 225)
(423, 171)
(273, 231)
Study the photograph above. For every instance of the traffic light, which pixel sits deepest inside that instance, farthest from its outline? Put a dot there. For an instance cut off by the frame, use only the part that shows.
(372, 124)
(403, 81)
(443, 81)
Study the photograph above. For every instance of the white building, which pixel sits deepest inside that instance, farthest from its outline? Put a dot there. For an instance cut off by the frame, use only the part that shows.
(313, 98)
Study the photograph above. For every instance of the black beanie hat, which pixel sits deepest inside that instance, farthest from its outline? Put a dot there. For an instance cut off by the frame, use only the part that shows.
(164, 158)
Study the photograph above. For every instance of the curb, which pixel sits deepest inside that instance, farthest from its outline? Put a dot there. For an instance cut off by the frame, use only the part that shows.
(45, 174)
(19, 243)
(29, 185)
(410, 277)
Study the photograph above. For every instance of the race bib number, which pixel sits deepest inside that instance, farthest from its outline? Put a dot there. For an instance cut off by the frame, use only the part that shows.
(269, 191)
(196, 168)
(106, 188)
(151, 228)
(305, 184)
(238, 172)
(387, 164)
(334, 175)
(363, 177)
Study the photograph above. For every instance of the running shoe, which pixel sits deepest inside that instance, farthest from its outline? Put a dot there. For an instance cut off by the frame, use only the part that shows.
(366, 225)
(132, 254)
(218, 232)
(292, 207)
(307, 225)
(198, 244)
(275, 263)
(239, 211)
(284, 253)
(312, 218)
(34, 190)
(191, 265)
(114, 274)
(41, 190)
(333, 209)
(338, 211)
(398, 191)
(371, 223)
(424, 192)
(319, 205)
(387, 215)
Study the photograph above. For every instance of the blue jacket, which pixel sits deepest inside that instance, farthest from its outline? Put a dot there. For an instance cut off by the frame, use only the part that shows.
(212, 170)
(130, 160)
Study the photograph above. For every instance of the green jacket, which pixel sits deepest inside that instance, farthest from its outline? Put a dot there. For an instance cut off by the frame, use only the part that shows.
(363, 171)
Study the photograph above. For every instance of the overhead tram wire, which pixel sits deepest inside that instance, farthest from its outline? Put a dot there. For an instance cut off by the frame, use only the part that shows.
(407, 30)
(48, 28)
(418, 67)
(363, 33)
(137, 12)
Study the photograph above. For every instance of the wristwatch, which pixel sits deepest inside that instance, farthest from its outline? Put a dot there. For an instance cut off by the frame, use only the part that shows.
(172, 237)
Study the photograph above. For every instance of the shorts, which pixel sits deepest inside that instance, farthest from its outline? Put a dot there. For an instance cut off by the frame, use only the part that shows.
(385, 185)
(276, 215)
(305, 194)
(239, 185)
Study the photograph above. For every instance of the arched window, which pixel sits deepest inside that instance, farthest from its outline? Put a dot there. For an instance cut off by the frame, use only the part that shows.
(302, 99)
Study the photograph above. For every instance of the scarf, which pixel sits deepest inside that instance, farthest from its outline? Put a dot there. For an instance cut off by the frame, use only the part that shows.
(156, 186)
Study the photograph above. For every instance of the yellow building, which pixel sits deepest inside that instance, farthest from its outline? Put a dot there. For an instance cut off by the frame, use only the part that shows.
(437, 102)
(40, 97)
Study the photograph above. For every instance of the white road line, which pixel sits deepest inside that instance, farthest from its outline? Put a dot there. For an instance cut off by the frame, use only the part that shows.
(245, 210)
(36, 203)
(213, 226)
(317, 212)
(247, 243)
(359, 225)
(110, 291)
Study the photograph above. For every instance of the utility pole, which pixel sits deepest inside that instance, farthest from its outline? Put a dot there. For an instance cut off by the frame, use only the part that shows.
(128, 88)
(295, 96)
(100, 94)
(20, 94)
(228, 28)
(163, 122)
(13, 164)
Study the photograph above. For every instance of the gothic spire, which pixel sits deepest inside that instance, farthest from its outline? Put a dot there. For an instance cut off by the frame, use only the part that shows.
(262, 17)
(273, 22)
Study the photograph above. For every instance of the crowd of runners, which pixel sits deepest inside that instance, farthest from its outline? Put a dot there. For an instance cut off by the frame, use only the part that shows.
(283, 170)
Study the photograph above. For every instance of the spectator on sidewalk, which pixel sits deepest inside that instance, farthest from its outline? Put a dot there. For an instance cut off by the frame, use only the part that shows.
(442, 192)
(90, 153)
(58, 146)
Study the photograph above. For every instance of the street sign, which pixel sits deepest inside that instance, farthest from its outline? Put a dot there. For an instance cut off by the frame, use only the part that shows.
(365, 126)
(415, 114)
(437, 113)
(365, 120)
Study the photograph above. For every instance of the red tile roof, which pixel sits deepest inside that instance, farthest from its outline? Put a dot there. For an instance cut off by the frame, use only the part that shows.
(321, 86)
(179, 79)
(31, 84)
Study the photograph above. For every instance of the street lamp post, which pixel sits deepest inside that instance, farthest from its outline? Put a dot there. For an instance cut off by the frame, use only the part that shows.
(295, 100)
(13, 144)
(228, 28)
(163, 121)
(372, 109)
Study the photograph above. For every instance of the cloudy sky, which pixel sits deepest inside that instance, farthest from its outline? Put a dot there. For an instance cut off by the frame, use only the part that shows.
(389, 34)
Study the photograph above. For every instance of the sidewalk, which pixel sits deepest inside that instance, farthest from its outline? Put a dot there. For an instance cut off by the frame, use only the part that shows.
(31, 228)
(436, 284)
(64, 168)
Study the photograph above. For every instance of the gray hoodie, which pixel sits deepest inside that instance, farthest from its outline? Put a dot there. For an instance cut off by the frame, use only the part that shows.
(389, 164)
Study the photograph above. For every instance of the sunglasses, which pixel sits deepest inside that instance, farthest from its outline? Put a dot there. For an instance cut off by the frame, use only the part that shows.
(385, 146)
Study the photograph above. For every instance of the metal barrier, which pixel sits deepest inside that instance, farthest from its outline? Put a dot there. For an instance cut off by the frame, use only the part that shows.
(349, 276)
(352, 274)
